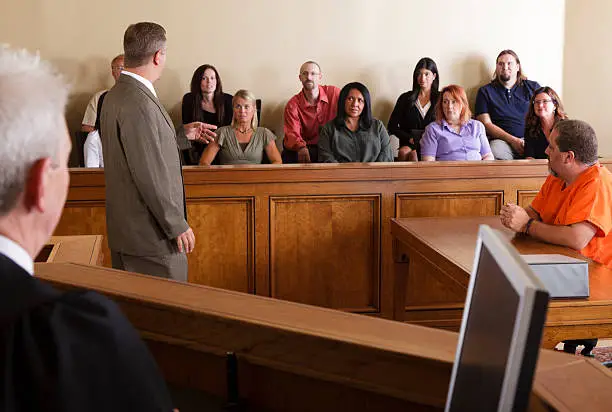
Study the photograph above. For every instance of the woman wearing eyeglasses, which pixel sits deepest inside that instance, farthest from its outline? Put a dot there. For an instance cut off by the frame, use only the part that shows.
(544, 112)
(243, 142)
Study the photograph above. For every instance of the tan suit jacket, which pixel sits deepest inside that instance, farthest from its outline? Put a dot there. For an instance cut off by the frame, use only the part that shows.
(145, 197)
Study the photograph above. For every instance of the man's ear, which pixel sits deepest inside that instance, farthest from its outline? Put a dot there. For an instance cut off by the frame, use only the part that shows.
(571, 157)
(157, 57)
(36, 185)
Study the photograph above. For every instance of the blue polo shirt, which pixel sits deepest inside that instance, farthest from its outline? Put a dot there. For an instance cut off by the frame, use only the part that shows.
(507, 107)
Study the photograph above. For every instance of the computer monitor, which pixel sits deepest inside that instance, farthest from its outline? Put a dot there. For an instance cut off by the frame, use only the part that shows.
(501, 330)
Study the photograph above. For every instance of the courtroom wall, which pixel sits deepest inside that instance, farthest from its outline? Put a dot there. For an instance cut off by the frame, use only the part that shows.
(260, 44)
(587, 59)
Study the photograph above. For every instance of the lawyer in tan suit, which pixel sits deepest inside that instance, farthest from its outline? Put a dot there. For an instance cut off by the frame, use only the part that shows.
(146, 216)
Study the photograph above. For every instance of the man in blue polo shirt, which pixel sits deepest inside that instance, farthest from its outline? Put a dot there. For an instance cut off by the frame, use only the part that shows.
(503, 104)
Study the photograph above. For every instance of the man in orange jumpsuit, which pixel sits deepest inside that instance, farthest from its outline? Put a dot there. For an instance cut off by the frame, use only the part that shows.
(574, 206)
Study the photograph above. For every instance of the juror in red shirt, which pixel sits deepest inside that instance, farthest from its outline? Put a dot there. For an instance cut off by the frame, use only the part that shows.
(302, 120)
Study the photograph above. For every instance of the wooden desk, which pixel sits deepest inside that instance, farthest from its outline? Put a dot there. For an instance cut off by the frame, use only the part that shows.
(440, 251)
(84, 249)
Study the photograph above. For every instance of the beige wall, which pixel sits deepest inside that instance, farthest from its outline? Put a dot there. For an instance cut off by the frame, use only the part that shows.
(587, 62)
(260, 44)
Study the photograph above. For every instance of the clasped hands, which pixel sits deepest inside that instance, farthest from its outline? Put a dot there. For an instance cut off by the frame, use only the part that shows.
(202, 132)
(514, 217)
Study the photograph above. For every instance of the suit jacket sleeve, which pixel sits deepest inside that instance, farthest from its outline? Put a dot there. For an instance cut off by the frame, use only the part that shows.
(187, 114)
(181, 139)
(141, 137)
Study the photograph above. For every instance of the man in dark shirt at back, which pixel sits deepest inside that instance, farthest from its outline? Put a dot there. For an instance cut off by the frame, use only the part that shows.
(502, 106)
(59, 351)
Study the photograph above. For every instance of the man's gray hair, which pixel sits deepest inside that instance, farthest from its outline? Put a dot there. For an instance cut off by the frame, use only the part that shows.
(579, 137)
(32, 104)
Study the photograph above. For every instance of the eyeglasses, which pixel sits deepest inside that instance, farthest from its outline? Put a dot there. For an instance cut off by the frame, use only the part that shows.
(538, 102)
(306, 73)
(119, 68)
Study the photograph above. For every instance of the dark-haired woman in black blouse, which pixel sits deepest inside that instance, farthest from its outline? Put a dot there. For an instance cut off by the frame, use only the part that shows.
(415, 109)
(205, 103)
(545, 110)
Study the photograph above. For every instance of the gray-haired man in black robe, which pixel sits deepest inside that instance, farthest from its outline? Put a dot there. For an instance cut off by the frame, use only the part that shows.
(59, 351)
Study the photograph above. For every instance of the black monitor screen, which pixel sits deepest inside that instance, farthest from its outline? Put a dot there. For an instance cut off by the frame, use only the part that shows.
(501, 331)
(487, 339)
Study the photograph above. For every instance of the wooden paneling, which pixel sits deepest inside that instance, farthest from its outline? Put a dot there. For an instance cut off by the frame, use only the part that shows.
(223, 255)
(317, 233)
(85, 218)
(427, 284)
(525, 197)
(436, 316)
(448, 204)
(324, 250)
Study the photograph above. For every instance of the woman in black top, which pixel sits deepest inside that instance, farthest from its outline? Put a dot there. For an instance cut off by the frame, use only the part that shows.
(415, 109)
(205, 103)
(545, 110)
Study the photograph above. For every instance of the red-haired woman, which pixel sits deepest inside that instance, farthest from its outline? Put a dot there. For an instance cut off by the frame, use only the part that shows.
(454, 135)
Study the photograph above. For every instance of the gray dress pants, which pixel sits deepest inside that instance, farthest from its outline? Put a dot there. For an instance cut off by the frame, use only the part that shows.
(173, 266)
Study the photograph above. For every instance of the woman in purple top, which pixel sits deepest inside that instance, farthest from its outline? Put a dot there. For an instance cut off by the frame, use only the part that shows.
(454, 135)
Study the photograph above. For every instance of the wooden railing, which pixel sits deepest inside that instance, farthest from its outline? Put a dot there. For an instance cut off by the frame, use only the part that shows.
(294, 357)
(315, 234)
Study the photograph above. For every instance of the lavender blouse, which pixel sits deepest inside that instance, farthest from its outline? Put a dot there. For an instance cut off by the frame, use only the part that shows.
(443, 143)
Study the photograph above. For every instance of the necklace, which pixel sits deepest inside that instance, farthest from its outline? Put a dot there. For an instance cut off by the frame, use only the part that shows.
(244, 131)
